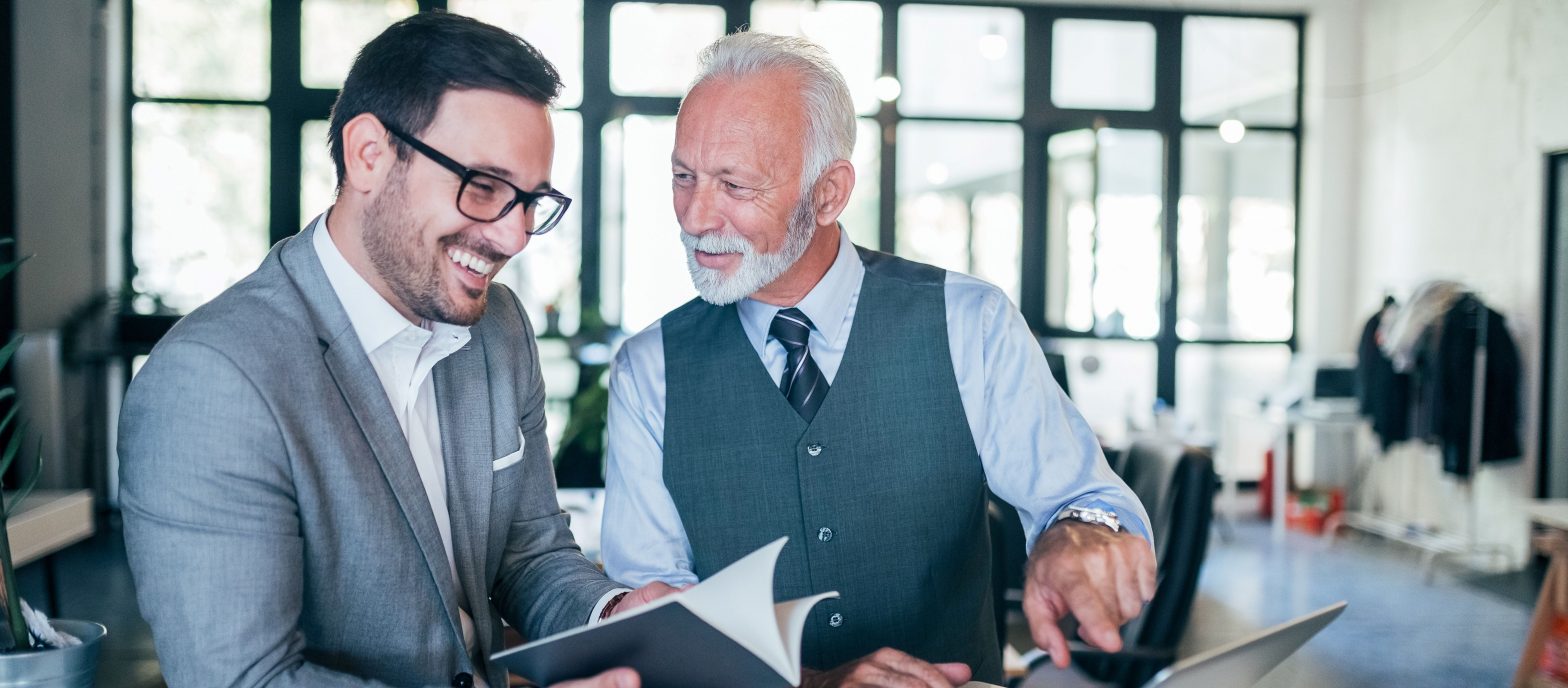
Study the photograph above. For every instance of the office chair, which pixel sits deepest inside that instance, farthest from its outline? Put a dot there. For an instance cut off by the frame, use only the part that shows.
(1176, 486)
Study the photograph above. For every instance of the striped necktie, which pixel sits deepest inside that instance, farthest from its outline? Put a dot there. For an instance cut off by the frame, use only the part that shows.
(802, 383)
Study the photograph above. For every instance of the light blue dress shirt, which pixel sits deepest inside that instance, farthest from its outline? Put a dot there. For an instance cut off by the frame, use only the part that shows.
(1037, 451)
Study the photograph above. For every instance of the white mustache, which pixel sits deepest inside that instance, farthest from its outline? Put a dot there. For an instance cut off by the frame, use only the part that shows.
(717, 242)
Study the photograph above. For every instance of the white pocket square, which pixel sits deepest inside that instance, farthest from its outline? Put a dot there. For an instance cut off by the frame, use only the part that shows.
(514, 457)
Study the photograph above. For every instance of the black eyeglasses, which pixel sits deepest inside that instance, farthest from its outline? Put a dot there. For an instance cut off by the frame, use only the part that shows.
(482, 196)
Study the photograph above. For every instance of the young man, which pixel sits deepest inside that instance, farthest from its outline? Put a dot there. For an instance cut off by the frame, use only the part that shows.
(336, 473)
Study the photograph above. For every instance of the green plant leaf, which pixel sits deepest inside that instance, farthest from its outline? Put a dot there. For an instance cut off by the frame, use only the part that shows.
(6, 422)
(12, 446)
(5, 353)
(30, 483)
(10, 267)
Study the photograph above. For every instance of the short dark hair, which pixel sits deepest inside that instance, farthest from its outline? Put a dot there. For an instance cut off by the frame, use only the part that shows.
(400, 75)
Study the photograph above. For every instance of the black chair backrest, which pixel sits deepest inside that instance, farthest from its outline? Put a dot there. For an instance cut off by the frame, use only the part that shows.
(1176, 485)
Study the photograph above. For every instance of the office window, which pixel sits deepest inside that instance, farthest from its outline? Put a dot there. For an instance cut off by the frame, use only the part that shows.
(958, 197)
(1236, 237)
(332, 31)
(201, 198)
(1103, 232)
(644, 61)
(1242, 69)
(200, 49)
(1127, 176)
(961, 61)
(1099, 64)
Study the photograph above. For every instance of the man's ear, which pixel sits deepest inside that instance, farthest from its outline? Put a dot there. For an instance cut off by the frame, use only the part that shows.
(368, 155)
(831, 193)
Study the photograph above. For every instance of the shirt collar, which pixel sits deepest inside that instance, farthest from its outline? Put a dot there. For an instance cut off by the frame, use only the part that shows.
(374, 320)
(826, 304)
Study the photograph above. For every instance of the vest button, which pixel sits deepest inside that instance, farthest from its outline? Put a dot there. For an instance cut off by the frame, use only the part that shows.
(463, 680)
(836, 620)
(814, 449)
(824, 534)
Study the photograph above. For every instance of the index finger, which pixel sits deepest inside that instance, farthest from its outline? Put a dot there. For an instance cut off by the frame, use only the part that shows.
(1094, 616)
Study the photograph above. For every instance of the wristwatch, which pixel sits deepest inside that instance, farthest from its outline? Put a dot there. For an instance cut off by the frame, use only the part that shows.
(1089, 514)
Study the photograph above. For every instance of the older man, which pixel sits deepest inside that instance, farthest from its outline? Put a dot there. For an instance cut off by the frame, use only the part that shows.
(857, 402)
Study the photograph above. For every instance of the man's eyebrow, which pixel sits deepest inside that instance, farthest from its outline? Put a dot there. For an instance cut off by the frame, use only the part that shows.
(506, 174)
(501, 172)
(721, 171)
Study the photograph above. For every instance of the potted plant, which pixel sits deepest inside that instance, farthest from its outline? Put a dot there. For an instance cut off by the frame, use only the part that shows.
(33, 652)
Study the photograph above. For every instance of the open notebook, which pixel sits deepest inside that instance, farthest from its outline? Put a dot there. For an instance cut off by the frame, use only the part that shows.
(723, 632)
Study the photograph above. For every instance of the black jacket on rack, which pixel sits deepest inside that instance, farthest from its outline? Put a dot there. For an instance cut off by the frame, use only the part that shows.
(1384, 393)
(1447, 386)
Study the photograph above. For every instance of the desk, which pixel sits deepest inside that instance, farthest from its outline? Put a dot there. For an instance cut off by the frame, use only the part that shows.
(1552, 513)
(47, 522)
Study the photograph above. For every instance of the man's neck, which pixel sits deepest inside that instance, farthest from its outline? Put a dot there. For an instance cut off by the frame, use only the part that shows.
(347, 233)
(803, 276)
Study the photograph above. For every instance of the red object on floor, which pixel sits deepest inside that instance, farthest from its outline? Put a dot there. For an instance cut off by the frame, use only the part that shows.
(1266, 487)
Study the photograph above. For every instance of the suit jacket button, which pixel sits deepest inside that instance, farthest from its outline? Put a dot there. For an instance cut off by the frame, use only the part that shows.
(463, 679)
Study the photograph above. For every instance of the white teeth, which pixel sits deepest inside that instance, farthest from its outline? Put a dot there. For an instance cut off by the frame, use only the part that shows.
(469, 260)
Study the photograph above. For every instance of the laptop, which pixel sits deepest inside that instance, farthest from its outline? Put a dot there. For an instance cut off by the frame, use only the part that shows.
(1241, 663)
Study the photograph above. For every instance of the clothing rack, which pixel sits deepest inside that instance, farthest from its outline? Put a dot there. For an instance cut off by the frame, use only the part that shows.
(1435, 544)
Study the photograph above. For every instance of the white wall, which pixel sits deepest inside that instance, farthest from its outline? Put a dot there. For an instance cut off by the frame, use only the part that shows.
(1452, 176)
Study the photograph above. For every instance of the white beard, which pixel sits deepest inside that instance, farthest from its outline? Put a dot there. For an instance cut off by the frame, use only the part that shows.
(756, 269)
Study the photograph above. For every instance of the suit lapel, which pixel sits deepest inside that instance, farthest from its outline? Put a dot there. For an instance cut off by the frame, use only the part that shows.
(467, 447)
(350, 368)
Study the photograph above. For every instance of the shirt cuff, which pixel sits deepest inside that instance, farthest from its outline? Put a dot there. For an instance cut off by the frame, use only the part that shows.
(598, 609)
(1129, 520)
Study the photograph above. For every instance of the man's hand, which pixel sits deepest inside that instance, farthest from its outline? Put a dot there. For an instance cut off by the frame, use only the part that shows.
(889, 668)
(642, 596)
(1100, 576)
(614, 678)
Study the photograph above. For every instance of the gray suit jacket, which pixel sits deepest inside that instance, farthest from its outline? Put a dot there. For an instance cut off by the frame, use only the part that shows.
(277, 528)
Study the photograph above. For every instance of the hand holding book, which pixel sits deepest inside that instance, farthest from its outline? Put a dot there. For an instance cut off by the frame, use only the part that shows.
(723, 632)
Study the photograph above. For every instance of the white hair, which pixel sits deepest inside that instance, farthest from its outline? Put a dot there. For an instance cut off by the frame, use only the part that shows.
(830, 112)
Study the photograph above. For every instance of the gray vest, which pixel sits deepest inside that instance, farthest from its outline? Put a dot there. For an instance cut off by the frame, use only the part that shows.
(882, 496)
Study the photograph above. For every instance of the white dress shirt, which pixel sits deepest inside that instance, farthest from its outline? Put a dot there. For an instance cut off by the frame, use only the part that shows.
(1037, 451)
(403, 355)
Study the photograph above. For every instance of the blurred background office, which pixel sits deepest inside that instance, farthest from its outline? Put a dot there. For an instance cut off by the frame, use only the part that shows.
(1201, 207)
